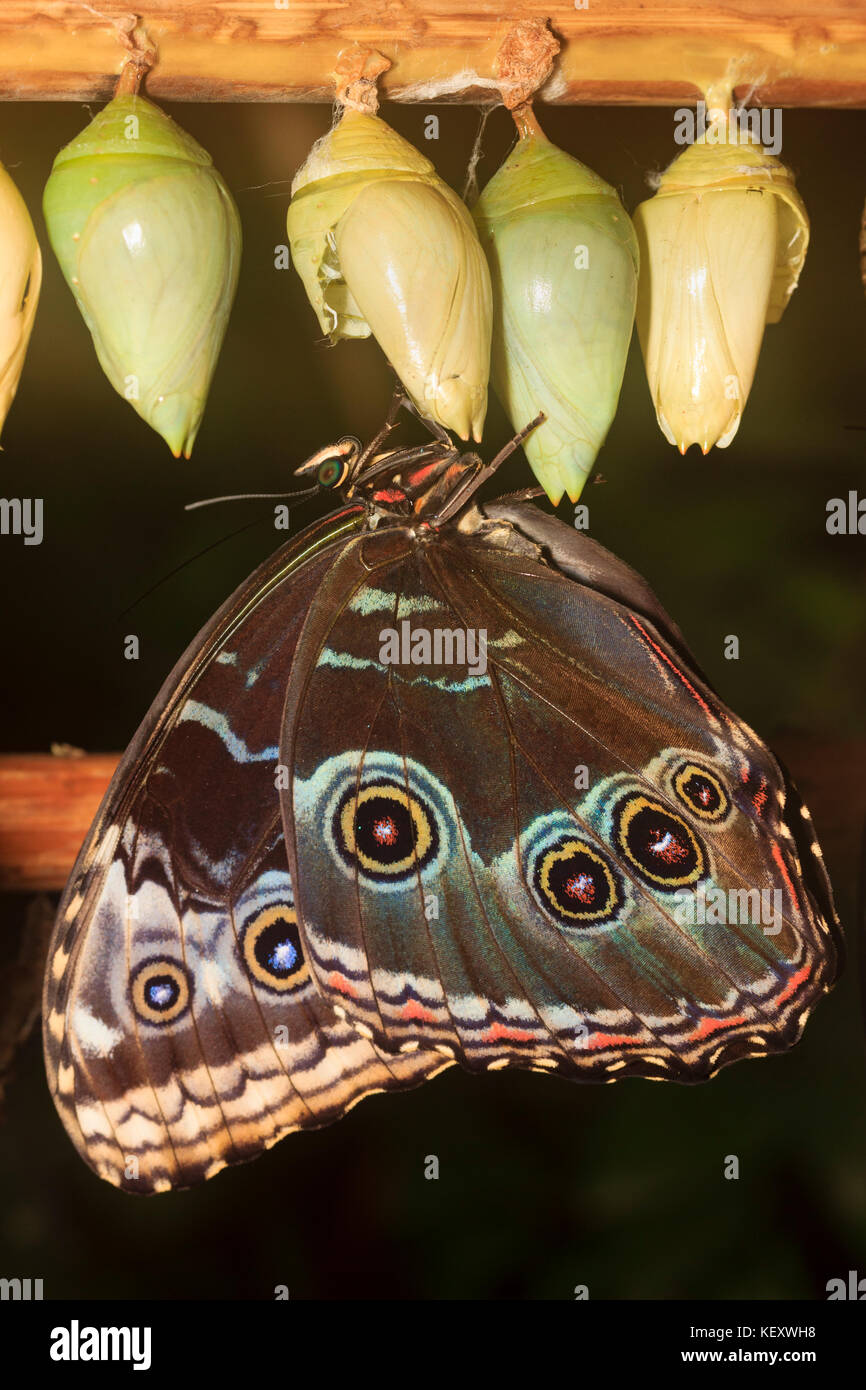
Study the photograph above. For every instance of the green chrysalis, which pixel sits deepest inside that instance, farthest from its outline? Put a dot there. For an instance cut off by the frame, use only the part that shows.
(149, 241)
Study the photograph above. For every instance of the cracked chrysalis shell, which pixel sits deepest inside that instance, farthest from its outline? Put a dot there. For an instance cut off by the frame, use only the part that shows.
(384, 246)
(564, 263)
(722, 244)
(149, 241)
(20, 281)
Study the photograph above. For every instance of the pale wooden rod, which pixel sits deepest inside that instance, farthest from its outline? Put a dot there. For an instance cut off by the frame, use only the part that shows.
(773, 52)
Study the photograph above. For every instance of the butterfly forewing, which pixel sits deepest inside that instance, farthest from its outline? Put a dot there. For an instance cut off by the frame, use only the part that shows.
(183, 1030)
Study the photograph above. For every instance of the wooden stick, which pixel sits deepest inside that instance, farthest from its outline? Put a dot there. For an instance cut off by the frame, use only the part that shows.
(775, 52)
(46, 806)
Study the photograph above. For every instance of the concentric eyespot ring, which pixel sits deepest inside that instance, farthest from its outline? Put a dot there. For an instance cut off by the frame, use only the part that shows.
(701, 791)
(660, 845)
(389, 833)
(272, 950)
(386, 821)
(161, 990)
(575, 883)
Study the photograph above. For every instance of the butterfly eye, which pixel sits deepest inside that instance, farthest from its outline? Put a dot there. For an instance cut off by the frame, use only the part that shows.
(660, 845)
(332, 471)
(386, 831)
(702, 792)
(272, 950)
(160, 991)
(574, 883)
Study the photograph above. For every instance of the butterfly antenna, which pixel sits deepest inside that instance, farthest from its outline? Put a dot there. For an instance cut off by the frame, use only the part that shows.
(252, 497)
(295, 496)
(190, 559)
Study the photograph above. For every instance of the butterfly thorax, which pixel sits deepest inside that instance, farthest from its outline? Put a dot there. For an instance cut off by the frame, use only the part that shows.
(412, 484)
(419, 484)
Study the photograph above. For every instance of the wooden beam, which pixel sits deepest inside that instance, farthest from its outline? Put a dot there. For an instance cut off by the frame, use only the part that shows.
(776, 52)
(46, 806)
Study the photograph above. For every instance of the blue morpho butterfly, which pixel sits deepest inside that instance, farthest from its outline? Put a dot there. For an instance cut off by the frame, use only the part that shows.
(440, 783)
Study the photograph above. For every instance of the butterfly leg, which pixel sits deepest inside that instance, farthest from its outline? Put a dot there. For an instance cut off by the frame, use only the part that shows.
(436, 430)
(398, 400)
(461, 495)
(524, 494)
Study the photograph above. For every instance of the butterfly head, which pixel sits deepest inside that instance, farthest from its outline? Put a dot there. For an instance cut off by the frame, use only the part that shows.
(333, 466)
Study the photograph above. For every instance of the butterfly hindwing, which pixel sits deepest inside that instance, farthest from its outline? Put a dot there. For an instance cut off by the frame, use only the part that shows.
(183, 1030)
(521, 861)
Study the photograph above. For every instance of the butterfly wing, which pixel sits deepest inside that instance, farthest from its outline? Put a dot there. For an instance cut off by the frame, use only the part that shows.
(522, 861)
(182, 1029)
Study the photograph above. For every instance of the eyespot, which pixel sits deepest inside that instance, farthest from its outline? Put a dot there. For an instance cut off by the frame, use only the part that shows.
(160, 989)
(660, 845)
(386, 831)
(702, 792)
(386, 821)
(272, 950)
(575, 883)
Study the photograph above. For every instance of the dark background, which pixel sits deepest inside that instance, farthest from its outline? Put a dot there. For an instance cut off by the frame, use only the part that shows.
(544, 1184)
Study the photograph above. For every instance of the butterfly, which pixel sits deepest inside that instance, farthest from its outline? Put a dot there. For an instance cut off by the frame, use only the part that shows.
(439, 784)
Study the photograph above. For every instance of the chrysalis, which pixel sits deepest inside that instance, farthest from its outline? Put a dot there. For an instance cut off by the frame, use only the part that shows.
(149, 241)
(384, 246)
(722, 244)
(20, 280)
(564, 262)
